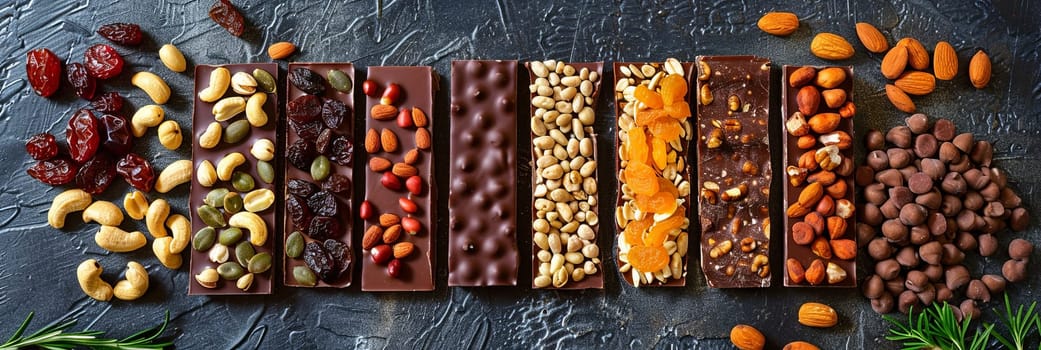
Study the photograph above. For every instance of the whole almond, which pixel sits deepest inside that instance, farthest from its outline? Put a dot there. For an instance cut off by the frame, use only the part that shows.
(831, 46)
(383, 112)
(388, 220)
(372, 237)
(404, 170)
(979, 69)
(899, 99)
(746, 337)
(379, 164)
(412, 156)
(815, 273)
(916, 83)
(388, 140)
(281, 50)
(817, 315)
(823, 123)
(834, 98)
(845, 249)
(392, 234)
(917, 57)
(945, 61)
(419, 118)
(811, 194)
(779, 23)
(372, 141)
(831, 77)
(423, 139)
(894, 62)
(800, 345)
(848, 110)
(820, 247)
(403, 249)
(796, 273)
(871, 38)
(808, 100)
(802, 76)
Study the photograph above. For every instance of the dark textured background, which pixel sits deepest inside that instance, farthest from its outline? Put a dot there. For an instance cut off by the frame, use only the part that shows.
(37, 263)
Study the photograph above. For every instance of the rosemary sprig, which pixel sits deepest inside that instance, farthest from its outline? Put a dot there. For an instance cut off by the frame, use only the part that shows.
(937, 328)
(55, 337)
(1020, 324)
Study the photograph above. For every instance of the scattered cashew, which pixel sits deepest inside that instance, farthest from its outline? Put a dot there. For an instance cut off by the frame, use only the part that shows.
(175, 174)
(135, 283)
(156, 217)
(170, 134)
(252, 222)
(206, 174)
(172, 58)
(136, 205)
(64, 203)
(180, 230)
(263, 149)
(220, 78)
(255, 110)
(228, 107)
(211, 137)
(226, 166)
(103, 212)
(147, 116)
(153, 85)
(161, 249)
(89, 276)
(114, 239)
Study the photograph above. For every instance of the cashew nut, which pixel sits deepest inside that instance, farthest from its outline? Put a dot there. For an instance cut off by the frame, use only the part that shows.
(219, 80)
(172, 58)
(161, 249)
(156, 217)
(227, 165)
(228, 107)
(208, 277)
(135, 204)
(170, 134)
(114, 239)
(153, 85)
(263, 149)
(243, 83)
(252, 222)
(211, 137)
(147, 116)
(255, 110)
(206, 174)
(103, 212)
(135, 283)
(180, 230)
(64, 203)
(89, 276)
(175, 174)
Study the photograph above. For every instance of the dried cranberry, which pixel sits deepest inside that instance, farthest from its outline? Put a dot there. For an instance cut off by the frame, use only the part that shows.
(82, 135)
(54, 171)
(302, 188)
(334, 112)
(96, 174)
(109, 102)
(340, 253)
(304, 109)
(307, 81)
(136, 171)
(122, 33)
(103, 61)
(394, 268)
(342, 150)
(308, 131)
(324, 140)
(118, 137)
(44, 71)
(338, 184)
(225, 14)
(298, 213)
(318, 260)
(323, 227)
(300, 154)
(41, 146)
(323, 203)
(81, 82)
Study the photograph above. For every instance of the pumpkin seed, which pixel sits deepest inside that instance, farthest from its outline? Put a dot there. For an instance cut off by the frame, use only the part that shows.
(215, 198)
(266, 171)
(211, 216)
(304, 276)
(230, 236)
(204, 239)
(230, 271)
(243, 252)
(339, 80)
(232, 203)
(236, 131)
(264, 80)
(295, 245)
(260, 263)
(242, 182)
(320, 168)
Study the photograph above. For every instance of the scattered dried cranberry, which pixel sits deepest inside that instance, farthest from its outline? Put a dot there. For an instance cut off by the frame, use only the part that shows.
(54, 171)
(323, 203)
(323, 227)
(317, 259)
(82, 135)
(298, 213)
(103, 61)
(44, 71)
(381, 254)
(302, 188)
(308, 131)
(225, 14)
(118, 137)
(96, 174)
(338, 184)
(122, 33)
(304, 108)
(109, 102)
(340, 253)
(307, 81)
(136, 171)
(342, 150)
(394, 268)
(334, 112)
(81, 82)
(369, 87)
(300, 154)
(41, 146)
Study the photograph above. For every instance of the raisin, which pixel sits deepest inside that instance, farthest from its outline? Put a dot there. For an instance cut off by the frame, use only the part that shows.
(318, 260)
(323, 203)
(334, 112)
(109, 102)
(307, 81)
(298, 213)
(342, 150)
(96, 174)
(224, 14)
(82, 135)
(323, 227)
(322, 143)
(54, 171)
(136, 171)
(122, 33)
(81, 82)
(118, 137)
(300, 154)
(41, 146)
(302, 188)
(308, 131)
(338, 184)
(341, 256)
(304, 108)
(103, 61)
(44, 71)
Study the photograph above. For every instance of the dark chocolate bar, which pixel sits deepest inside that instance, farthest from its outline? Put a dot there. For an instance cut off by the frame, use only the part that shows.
(482, 200)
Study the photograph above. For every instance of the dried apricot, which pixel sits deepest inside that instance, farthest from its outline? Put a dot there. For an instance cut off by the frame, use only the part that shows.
(648, 259)
(667, 129)
(660, 153)
(678, 110)
(637, 145)
(646, 116)
(649, 98)
(635, 229)
(672, 223)
(641, 178)
(673, 89)
(667, 186)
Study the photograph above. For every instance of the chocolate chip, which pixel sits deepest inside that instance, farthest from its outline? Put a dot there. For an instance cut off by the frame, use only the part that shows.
(875, 193)
(879, 249)
(894, 231)
(888, 269)
(951, 205)
(949, 153)
(991, 225)
(873, 287)
(930, 200)
(935, 273)
(931, 253)
(918, 123)
(878, 160)
(937, 224)
(1009, 198)
(977, 179)
(944, 129)
(870, 214)
(916, 281)
(920, 235)
(890, 177)
(864, 176)
(988, 244)
(901, 195)
(999, 177)
(874, 140)
(953, 183)
(935, 168)
(982, 153)
(846, 167)
(960, 165)
(909, 170)
(964, 141)
(978, 291)
(992, 193)
(973, 201)
(908, 300)
(943, 293)
(913, 214)
(956, 277)
(927, 295)
(952, 255)
(899, 158)
(907, 257)
(1014, 270)
(896, 286)
(925, 146)
(1019, 219)
(899, 136)
(920, 183)
(890, 210)
(1020, 249)
(966, 241)
(994, 210)
(994, 283)
(865, 234)
(883, 304)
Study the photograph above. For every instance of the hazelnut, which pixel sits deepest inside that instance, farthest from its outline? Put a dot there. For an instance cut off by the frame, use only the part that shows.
(816, 221)
(978, 291)
(802, 233)
(826, 206)
(808, 99)
(874, 140)
(845, 168)
(883, 304)
(873, 287)
(995, 283)
(1014, 270)
(1020, 249)
(806, 142)
(834, 98)
(966, 220)
(899, 136)
(844, 208)
(901, 195)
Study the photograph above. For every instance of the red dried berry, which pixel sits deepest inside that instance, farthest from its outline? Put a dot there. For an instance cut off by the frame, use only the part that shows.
(414, 184)
(118, 138)
(390, 181)
(109, 102)
(338, 184)
(41, 146)
(136, 171)
(365, 211)
(122, 33)
(82, 135)
(103, 61)
(54, 171)
(301, 188)
(304, 109)
(369, 87)
(225, 14)
(44, 71)
(323, 203)
(381, 254)
(81, 82)
(96, 174)
(394, 268)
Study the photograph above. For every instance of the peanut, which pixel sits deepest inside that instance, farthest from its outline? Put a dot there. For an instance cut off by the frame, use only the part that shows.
(228, 107)
(170, 134)
(172, 58)
(263, 150)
